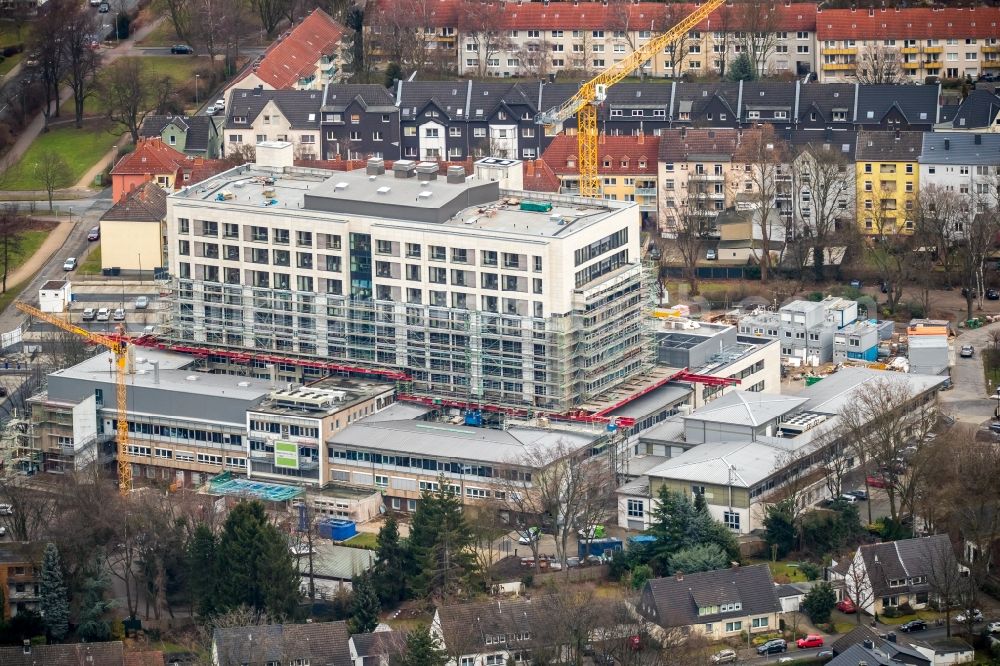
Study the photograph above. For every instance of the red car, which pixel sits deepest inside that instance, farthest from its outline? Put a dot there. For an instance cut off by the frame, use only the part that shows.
(810, 641)
(846, 606)
(876, 482)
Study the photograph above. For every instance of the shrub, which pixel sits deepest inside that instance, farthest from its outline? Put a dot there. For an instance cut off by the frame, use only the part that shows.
(905, 609)
(810, 570)
(891, 612)
(528, 580)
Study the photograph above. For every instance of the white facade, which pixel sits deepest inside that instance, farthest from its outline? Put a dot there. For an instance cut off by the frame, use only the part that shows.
(55, 295)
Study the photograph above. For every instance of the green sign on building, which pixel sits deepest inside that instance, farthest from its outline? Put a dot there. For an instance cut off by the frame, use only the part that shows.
(286, 454)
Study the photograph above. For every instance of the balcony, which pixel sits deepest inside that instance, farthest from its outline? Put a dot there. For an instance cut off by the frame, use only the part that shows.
(933, 49)
(909, 50)
(840, 51)
(839, 66)
(645, 191)
(992, 48)
(706, 176)
(931, 64)
(911, 65)
(991, 64)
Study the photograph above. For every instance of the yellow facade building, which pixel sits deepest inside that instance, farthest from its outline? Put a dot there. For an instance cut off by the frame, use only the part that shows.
(887, 181)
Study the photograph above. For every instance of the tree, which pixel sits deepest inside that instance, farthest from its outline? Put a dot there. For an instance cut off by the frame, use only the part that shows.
(12, 227)
(365, 607)
(879, 65)
(779, 528)
(484, 25)
(759, 22)
(93, 625)
(53, 602)
(439, 543)
(270, 13)
(741, 69)
(765, 155)
(180, 15)
(678, 48)
(53, 172)
(945, 578)
(819, 602)
(700, 557)
(391, 564)
(826, 174)
(678, 525)
(81, 60)
(938, 221)
(422, 649)
(254, 566)
(46, 40)
(129, 93)
(973, 248)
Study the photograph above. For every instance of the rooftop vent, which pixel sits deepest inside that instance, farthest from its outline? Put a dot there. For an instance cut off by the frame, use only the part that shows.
(340, 186)
(427, 171)
(404, 168)
(192, 378)
(375, 166)
(426, 194)
(456, 174)
(384, 189)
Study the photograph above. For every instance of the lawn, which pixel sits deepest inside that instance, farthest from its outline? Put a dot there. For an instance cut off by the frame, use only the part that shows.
(81, 148)
(92, 264)
(162, 35)
(991, 366)
(789, 570)
(30, 242)
(9, 63)
(178, 68)
(362, 540)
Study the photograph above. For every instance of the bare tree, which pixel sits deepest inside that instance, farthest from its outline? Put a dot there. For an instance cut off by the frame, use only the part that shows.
(973, 249)
(823, 186)
(857, 586)
(52, 171)
(181, 16)
(759, 23)
(485, 26)
(938, 223)
(82, 60)
(46, 41)
(879, 64)
(31, 510)
(725, 21)
(534, 59)
(944, 576)
(405, 32)
(129, 93)
(765, 154)
(690, 231)
(270, 13)
(12, 228)
(677, 49)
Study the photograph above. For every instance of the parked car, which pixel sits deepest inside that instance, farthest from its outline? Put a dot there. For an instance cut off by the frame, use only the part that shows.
(860, 494)
(975, 614)
(810, 641)
(181, 49)
(94, 234)
(884, 287)
(119, 314)
(724, 657)
(846, 606)
(856, 283)
(3, 531)
(824, 654)
(528, 537)
(104, 8)
(69, 264)
(220, 104)
(913, 625)
(993, 627)
(711, 254)
(965, 292)
(992, 295)
(848, 497)
(142, 303)
(103, 314)
(88, 314)
(211, 110)
(776, 646)
(6, 510)
(876, 482)
(967, 351)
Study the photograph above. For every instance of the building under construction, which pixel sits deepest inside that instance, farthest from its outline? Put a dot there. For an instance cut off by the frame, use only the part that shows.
(445, 281)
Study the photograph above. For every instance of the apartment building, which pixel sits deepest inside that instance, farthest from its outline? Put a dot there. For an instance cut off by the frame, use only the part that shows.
(697, 177)
(287, 432)
(627, 167)
(966, 164)
(20, 578)
(359, 121)
(466, 288)
(887, 170)
(897, 107)
(979, 112)
(256, 115)
(949, 42)
(804, 328)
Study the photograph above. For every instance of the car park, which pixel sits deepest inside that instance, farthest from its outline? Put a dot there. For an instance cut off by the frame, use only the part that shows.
(181, 49)
(913, 625)
(94, 234)
(142, 302)
(88, 314)
(724, 657)
(69, 264)
(967, 351)
(846, 606)
(103, 314)
(775, 646)
(810, 641)
(119, 314)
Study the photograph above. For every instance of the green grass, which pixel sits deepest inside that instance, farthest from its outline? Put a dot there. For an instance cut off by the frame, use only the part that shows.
(92, 264)
(80, 148)
(178, 68)
(9, 63)
(8, 33)
(11, 294)
(788, 569)
(162, 35)
(362, 540)
(30, 242)
(844, 627)
(991, 366)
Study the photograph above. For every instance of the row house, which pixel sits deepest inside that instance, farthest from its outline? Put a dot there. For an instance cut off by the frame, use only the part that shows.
(949, 42)
(359, 121)
(965, 164)
(259, 115)
(887, 177)
(979, 112)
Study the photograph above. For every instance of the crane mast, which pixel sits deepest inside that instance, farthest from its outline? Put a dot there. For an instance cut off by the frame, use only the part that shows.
(119, 350)
(593, 92)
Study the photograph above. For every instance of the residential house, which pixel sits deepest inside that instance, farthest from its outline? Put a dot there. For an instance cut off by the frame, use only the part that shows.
(897, 107)
(966, 164)
(888, 175)
(359, 120)
(627, 167)
(697, 178)
(133, 229)
(826, 106)
(111, 653)
(325, 643)
(896, 573)
(152, 160)
(718, 604)
(898, 649)
(979, 112)
(306, 57)
(741, 236)
(636, 108)
(877, 652)
(710, 104)
(948, 42)
(828, 158)
(258, 115)
(492, 633)
(197, 136)
(382, 647)
(19, 578)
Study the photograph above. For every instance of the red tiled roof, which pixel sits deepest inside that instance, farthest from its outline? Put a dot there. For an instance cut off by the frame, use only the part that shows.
(539, 177)
(677, 145)
(596, 15)
(561, 155)
(151, 156)
(149, 658)
(296, 53)
(911, 23)
(201, 169)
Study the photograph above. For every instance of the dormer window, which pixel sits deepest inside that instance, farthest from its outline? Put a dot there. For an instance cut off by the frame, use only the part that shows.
(897, 582)
(312, 117)
(624, 164)
(240, 119)
(607, 164)
(479, 112)
(730, 608)
(642, 164)
(501, 115)
(571, 163)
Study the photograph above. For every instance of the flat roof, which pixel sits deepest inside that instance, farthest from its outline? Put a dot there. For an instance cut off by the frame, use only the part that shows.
(324, 396)
(53, 285)
(670, 430)
(746, 408)
(835, 391)
(175, 375)
(654, 401)
(471, 204)
(740, 464)
(423, 438)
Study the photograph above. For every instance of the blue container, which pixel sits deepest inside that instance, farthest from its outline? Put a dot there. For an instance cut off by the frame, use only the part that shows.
(641, 540)
(342, 530)
(598, 547)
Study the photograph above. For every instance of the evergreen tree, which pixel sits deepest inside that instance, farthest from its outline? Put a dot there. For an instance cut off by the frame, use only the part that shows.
(819, 602)
(779, 528)
(201, 570)
(700, 557)
(741, 69)
(365, 606)
(700, 505)
(253, 564)
(93, 626)
(440, 543)
(54, 603)
(391, 564)
(422, 649)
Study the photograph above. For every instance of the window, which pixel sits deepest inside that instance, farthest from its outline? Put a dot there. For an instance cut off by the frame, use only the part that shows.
(733, 626)
(731, 520)
(760, 622)
(697, 490)
(636, 508)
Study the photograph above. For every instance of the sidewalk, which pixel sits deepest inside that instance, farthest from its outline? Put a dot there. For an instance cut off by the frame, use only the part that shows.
(35, 262)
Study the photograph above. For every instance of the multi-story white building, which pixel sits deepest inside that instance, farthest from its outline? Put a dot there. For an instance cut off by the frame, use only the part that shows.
(965, 164)
(472, 291)
(949, 42)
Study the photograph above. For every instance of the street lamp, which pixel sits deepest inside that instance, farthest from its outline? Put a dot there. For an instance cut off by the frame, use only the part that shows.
(196, 77)
(140, 266)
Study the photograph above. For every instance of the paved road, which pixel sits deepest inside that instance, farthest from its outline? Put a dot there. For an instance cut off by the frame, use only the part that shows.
(969, 401)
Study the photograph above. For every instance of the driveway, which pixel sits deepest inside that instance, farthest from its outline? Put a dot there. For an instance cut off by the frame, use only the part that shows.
(969, 402)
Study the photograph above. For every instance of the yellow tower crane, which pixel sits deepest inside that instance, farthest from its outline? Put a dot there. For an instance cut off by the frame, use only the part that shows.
(119, 349)
(593, 92)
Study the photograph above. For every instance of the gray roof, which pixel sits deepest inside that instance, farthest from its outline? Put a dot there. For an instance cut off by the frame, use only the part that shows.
(740, 464)
(451, 97)
(825, 98)
(321, 643)
(900, 649)
(652, 95)
(459, 442)
(146, 203)
(670, 430)
(676, 600)
(918, 104)
(900, 560)
(111, 653)
(842, 142)
(759, 95)
(979, 109)
(372, 97)
(488, 96)
(835, 392)
(858, 654)
(337, 562)
(295, 105)
(701, 95)
(653, 401)
(961, 148)
(889, 146)
(746, 408)
(379, 644)
(554, 94)
(153, 125)
(788, 590)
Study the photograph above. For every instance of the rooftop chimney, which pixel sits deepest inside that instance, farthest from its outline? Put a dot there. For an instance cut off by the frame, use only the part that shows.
(891, 636)
(868, 644)
(375, 166)
(156, 371)
(680, 575)
(27, 646)
(427, 171)
(456, 175)
(404, 168)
